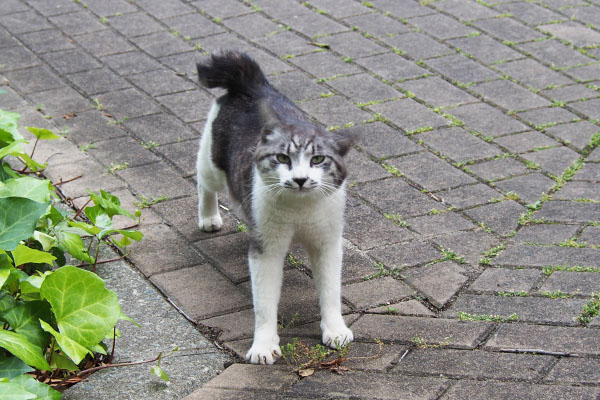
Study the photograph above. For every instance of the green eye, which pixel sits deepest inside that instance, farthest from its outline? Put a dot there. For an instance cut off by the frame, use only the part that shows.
(317, 160)
(282, 158)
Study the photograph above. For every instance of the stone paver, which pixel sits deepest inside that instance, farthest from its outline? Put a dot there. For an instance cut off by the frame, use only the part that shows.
(458, 104)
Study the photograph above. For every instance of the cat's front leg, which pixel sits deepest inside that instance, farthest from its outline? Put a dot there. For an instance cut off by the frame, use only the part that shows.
(326, 260)
(266, 273)
(209, 218)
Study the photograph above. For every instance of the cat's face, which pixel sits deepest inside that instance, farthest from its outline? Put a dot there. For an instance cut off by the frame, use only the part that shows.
(301, 158)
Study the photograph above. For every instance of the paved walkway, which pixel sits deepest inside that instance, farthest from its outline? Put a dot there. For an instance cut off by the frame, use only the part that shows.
(472, 239)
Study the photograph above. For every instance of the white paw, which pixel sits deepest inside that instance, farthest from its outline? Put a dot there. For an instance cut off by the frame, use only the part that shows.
(264, 351)
(210, 224)
(337, 336)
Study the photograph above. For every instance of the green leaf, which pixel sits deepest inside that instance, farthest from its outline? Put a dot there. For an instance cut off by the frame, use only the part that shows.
(156, 370)
(25, 255)
(99, 217)
(124, 317)
(6, 173)
(4, 274)
(85, 310)
(9, 123)
(70, 347)
(39, 389)
(23, 318)
(18, 218)
(12, 149)
(45, 240)
(12, 366)
(29, 187)
(60, 361)
(110, 203)
(19, 346)
(73, 244)
(7, 301)
(41, 133)
(14, 391)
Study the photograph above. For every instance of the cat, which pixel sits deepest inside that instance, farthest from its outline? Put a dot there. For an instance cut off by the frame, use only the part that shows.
(286, 176)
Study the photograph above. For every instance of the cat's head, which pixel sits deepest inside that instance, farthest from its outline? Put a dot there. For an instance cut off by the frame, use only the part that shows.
(299, 156)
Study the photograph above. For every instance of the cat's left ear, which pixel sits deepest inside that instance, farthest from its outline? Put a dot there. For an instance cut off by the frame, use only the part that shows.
(345, 139)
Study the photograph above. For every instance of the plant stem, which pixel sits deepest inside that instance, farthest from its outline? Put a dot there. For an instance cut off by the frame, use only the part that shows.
(82, 208)
(68, 180)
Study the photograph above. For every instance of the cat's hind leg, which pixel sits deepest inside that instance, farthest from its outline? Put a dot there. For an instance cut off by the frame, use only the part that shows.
(210, 179)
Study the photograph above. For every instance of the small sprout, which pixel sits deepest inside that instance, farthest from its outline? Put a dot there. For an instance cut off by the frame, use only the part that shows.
(117, 167)
(347, 59)
(147, 203)
(463, 316)
(241, 228)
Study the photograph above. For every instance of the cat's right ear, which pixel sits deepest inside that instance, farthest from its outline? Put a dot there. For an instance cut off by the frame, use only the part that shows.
(270, 122)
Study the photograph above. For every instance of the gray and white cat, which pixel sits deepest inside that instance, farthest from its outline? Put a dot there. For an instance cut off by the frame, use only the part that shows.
(287, 177)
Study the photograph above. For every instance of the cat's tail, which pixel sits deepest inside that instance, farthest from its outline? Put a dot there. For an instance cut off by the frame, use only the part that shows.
(234, 71)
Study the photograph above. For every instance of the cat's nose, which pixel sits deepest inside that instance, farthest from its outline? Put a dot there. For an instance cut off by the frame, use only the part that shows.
(300, 181)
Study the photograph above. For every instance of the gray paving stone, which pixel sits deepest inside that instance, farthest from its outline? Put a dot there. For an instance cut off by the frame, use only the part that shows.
(498, 169)
(363, 88)
(437, 92)
(353, 44)
(584, 73)
(485, 49)
(46, 41)
(466, 11)
(375, 292)
(589, 108)
(55, 7)
(540, 256)
(217, 8)
(36, 79)
(487, 120)
(591, 235)
(13, 6)
(437, 174)
(528, 309)
(478, 390)
(509, 95)
(6, 39)
(411, 307)
(362, 169)
(556, 160)
(161, 9)
(397, 197)
(378, 25)
(435, 225)
(248, 377)
(465, 335)
(506, 280)
(127, 103)
(135, 24)
(540, 338)
(576, 33)
(91, 126)
(356, 266)
(232, 326)
(409, 114)
(160, 128)
(368, 229)
(229, 254)
(104, 43)
(143, 181)
(470, 195)
(501, 217)
(578, 134)
(438, 282)
(402, 10)
(554, 52)
(405, 254)
(418, 46)
(385, 141)
(547, 116)
(528, 187)
(364, 384)
(340, 8)
(579, 191)
(58, 102)
(334, 111)
(570, 92)
(25, 21)
(532, 14)
(251, 26)
(461, 69)
(201, 291)
(10, 99)
(525, 141)
(594, 155)
(77, 23)
(458, 144)
(161, 44)
(70, 61)
(469, 244)
(533, 74)
(193, 26)
(582, 283)
(508, 29)
(297, 85)
(98, 81)
(323, 65)
(575, 370)
(441, 26)
(131, 63)
(162, 81)
(285, 43)
(546, 233)
(278, 9)
(475, 364)
(568, 211)
(224, 394)
(111, 7)
(391, 67)
(313, 25)
(122, 150)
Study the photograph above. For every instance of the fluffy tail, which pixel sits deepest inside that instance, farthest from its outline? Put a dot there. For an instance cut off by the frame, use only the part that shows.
(234, 71)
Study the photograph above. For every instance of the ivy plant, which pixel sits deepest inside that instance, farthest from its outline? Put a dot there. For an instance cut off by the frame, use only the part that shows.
(55, 316)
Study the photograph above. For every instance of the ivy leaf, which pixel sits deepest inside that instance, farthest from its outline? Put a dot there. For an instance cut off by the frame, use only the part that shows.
(45, 240)
(19, 346)
(23, 318)
(73, 244)
(40, 390)
(18, 218)
(156, 370)
(85, 310)
(60, 361)
(99, 217)
(29, 187)
(70, 347)
(14, 391)
(6, 173)
(25, 255)
(12, 366)
(110, 203)
(41, 133)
